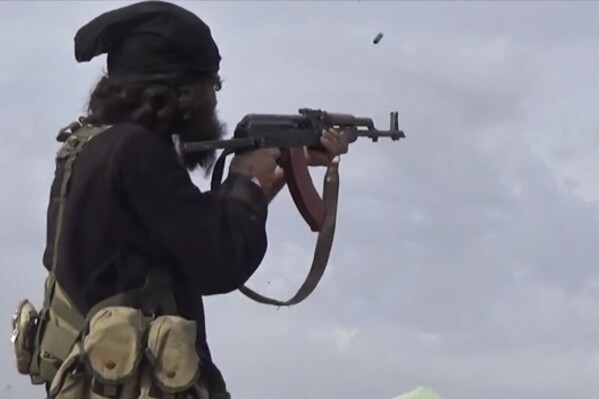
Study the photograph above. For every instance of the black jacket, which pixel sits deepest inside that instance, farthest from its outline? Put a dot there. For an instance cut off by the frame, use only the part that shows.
(131, 205)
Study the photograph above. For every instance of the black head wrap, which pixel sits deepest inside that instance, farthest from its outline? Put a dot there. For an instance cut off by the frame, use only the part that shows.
(150, 39)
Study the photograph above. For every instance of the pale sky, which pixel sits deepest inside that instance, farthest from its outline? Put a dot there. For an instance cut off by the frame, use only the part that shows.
(465, 255)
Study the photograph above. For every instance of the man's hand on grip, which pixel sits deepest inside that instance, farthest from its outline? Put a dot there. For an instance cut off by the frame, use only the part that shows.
(259, 164)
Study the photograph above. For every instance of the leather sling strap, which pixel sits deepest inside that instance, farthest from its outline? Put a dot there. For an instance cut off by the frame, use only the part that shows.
(323, 247)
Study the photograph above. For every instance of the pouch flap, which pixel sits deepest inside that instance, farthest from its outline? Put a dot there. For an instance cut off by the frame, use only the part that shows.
(172, 353)
(113, 345)
(70, 366)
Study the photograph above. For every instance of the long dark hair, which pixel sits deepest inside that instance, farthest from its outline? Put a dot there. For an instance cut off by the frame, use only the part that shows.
(164, 107)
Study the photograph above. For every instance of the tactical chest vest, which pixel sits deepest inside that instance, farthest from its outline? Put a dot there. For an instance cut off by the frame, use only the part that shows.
(129, 346)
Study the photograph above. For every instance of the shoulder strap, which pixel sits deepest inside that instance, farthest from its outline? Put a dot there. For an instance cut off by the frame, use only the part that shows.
(60, 322)
(67, 153)
(55, 299)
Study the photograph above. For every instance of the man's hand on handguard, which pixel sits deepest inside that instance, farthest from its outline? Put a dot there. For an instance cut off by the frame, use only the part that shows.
(334, 142)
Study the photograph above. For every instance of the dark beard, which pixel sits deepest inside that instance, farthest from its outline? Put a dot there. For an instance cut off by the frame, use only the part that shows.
(202, 127)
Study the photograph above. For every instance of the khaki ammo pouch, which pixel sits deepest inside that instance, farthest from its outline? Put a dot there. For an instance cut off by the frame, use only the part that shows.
(127, 355)
(122, 350)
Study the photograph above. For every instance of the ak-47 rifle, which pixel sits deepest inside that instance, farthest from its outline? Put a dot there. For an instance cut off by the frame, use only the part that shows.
(291, 133)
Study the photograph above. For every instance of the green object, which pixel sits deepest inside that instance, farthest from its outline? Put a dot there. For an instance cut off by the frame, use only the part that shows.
(420, 393)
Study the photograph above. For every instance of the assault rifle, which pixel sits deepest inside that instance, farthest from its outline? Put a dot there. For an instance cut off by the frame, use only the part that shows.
(291, 133)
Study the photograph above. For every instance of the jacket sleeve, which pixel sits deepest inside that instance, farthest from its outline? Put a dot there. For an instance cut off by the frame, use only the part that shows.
(218, 238)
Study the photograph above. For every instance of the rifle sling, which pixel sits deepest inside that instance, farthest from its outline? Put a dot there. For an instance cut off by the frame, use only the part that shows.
(323, 245)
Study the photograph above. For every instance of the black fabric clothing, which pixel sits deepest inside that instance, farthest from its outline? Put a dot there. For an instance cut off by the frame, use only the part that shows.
(149, 38)
(132, 206)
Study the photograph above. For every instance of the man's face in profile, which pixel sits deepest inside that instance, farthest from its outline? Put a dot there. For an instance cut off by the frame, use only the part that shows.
(201, 124)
